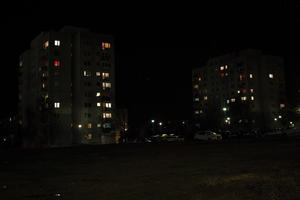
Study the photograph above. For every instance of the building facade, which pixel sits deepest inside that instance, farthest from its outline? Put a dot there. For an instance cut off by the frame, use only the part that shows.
(244, 89)
(67, 88)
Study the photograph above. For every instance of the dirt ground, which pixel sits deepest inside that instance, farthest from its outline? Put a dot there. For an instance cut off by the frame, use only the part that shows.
(259, 170)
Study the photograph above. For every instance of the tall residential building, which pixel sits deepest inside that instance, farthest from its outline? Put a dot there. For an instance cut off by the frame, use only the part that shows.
(245, 87)
(67, 88)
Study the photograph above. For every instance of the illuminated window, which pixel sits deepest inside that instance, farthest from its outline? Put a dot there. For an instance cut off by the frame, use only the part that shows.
(43, 85)
(98, 104)
(79, 126)
(87, 73)
(107, 105)
(106, 85)
(232, 100)
(106, 125)
(98, 74)
(56, 105)
(98, 94)
(226, 67)
(250, 75)
(199, 79)
(243, 98)
(105, 75)
(106, 115)
(57, 63)
(252, 98)
(46, 44)
(242, 77)
(205, 97)
(196, 86)
(227, 101)
(88, 136)
(89, 125)
(105, 45)
(222, 68)
(282, 105)
(196, 112)
(57, 43)
(271, 76)
(196, 99)
(98, 125)
(21, 64)
(238, 91)
(252, 90)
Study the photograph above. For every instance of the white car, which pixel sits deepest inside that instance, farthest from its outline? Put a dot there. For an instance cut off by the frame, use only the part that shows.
(207, 135)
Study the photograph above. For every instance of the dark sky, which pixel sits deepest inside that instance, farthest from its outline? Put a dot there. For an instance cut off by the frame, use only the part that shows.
(157, 44)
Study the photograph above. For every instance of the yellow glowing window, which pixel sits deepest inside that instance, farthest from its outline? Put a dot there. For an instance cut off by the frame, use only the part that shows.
(196, 86)
(106, 85)
(98, 104)
(282, 105)
(106, 115)
(98, 125)
(98, 74)
(271, 76)
(88, 136)
(98, 94)
(199, 79)
(243, 98)
(251, 90)
(222, 68)
(232, 100)
(250, 75)
(46, 44)
(105, 75)
(79, 126)
(107, 105)
(56, 105)
(226, 67)
(238, 91)
(89, 125)
(105, 45)
(205, 97)
(252, 98)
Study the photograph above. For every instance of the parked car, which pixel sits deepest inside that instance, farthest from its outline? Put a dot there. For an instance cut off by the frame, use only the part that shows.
(207, 135)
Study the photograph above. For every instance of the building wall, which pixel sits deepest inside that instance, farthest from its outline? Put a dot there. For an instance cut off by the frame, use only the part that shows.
(60, 85)
(241, 77)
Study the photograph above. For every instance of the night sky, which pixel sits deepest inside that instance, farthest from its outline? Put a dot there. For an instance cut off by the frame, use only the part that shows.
(157, 45)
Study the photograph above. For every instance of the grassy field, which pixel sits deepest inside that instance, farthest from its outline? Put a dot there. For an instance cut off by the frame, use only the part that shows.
(231, 170)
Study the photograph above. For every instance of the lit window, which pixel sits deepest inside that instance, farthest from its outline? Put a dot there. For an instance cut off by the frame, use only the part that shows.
(105, 45)
(86, 73)
(57, 63)
(106, 125)
(196, 86)
(43, 85)
(196, 112)
(98, 74)
(56, 105)
(232, 100)
(107, 105)
(252, 98)
(89, 125)
(105, 75)
(201, 111)
(282, 105)
(106, 85)
(196, 99)
(243, 98)
(88, 136)
(252, 90)
(227, 101)
(79, 126)
(98, 94)
(222, 68)
(46, 44)
(205, 97)
(57, 43)
(199, 79)
(226, 67)
(238, 91)
(98, 104)
(21, 64)
(271, 76)
(250, 75)
(106, 115)
(242, 77)
(98, 125)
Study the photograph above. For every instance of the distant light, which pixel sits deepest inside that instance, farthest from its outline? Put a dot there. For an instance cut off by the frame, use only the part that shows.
(152, 121)
(224, 109)
(279, 116)
(275, 119)
(160, 123)
(228, 118)
(183, 122)
(79, 125)
(291, 122)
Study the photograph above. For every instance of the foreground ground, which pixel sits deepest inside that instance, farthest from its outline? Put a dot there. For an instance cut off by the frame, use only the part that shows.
(228, 170)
